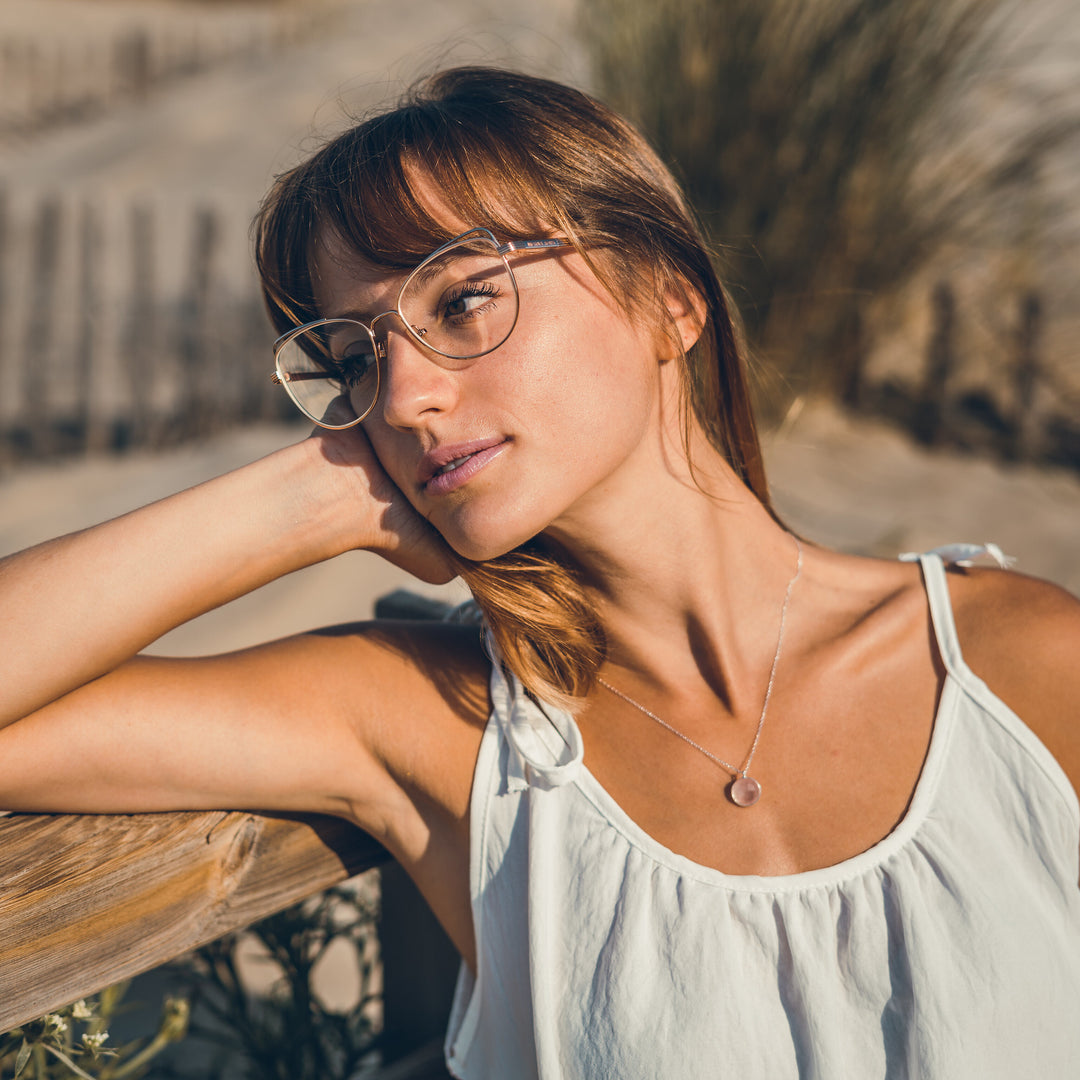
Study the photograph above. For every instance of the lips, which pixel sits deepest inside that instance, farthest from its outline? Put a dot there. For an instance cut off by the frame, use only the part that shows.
(448, 467)
(455, 464)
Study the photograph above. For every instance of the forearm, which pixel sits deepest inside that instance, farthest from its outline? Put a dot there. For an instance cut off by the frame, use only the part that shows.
(74, 608)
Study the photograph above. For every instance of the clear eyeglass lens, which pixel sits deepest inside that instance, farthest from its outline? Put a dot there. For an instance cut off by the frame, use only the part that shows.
(463, 302)
(331, 372)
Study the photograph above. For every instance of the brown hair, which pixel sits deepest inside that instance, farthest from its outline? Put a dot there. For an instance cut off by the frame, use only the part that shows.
(519, 154)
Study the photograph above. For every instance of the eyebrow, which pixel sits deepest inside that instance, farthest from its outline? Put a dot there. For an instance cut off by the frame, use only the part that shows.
(365, 315)
(423, 276)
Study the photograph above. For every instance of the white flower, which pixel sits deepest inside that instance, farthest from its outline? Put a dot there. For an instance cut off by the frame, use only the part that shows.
(94, 1043)
(81, 1011)
(55, 1024)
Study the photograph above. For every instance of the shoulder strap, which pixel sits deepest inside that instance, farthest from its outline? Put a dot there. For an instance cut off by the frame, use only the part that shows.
(941, 614)
(937, 593)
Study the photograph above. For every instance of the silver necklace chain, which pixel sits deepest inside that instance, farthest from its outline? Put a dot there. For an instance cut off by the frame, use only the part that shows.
(740, 771)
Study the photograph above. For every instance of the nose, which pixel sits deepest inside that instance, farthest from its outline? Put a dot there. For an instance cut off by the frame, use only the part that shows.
(413, 386)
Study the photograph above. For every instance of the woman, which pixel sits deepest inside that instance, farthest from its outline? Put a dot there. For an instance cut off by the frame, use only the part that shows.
(712, 800)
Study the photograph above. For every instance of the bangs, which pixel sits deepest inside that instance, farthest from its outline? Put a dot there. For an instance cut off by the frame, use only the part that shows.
(380, 210)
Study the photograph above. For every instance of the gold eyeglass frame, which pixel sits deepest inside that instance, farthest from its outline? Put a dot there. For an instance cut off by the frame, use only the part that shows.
(283, 378)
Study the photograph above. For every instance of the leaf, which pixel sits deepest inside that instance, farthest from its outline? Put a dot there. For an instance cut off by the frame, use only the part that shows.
(68, 1062)
(22, 1059)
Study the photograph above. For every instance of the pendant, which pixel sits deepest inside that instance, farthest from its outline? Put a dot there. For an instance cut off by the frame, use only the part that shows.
(744, 791)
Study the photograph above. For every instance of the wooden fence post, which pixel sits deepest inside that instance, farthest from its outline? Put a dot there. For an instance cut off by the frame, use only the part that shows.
(131, 60)
(6, 375)
(88, 900)
(32, 74)
(198, 399)
(1024, 435)
(139, 354)
(940, 363)
(39, 328)
(254, 357)
(90, 424)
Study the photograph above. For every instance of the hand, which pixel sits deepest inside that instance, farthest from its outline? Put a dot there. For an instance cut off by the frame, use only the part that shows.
(391, 526)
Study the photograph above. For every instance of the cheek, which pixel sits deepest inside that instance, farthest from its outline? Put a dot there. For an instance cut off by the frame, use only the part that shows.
(581, 368)
(606, 389)
(577, 397)
(589, 418)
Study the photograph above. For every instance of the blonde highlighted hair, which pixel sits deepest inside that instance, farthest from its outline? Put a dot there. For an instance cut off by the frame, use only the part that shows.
(523, 156)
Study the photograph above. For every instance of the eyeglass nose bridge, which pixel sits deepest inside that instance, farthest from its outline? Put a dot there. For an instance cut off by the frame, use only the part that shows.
(417, 333)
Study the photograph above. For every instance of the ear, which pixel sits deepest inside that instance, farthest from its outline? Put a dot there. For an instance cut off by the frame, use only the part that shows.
(686, 313)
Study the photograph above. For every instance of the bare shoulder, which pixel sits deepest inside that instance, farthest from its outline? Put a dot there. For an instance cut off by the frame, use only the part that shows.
(411, 667)
(1021, 636)
(442, 659)
(416, 693)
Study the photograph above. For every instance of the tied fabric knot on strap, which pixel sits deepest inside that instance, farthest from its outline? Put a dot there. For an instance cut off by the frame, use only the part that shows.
(546, 749)
(964, 554)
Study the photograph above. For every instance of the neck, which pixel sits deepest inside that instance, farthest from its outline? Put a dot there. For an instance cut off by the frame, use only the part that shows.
(688, 571)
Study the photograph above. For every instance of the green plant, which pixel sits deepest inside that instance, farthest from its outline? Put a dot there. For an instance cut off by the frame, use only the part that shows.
(288, 1033)
(832, 147)
(73, 1042)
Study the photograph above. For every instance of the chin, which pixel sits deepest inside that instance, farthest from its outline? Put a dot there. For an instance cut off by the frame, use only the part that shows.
(482, 549)
(480, 541)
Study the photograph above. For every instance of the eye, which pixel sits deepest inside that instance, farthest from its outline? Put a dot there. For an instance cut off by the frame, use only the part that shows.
(469, 300)
(355, 363)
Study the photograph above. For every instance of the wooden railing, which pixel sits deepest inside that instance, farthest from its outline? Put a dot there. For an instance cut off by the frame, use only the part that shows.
(88, 900)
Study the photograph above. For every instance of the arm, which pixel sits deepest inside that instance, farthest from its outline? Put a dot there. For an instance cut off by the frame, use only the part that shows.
(98, 730)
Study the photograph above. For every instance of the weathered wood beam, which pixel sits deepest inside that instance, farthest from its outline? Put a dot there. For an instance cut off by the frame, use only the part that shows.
(87, 900)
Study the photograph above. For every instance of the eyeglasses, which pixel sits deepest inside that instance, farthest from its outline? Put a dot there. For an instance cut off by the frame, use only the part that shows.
(461, 302)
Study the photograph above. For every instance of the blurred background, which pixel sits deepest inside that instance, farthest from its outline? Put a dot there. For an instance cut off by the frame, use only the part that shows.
(137, 138)
(893, 191)
(892, 188)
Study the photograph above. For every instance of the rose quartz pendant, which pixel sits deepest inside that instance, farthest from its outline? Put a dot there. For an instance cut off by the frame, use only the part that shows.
(744, 791)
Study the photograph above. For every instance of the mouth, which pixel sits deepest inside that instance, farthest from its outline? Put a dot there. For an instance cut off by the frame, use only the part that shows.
(448, 467)
(455, 464)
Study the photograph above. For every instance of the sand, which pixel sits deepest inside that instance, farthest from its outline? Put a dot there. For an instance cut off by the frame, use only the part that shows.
(861, 486)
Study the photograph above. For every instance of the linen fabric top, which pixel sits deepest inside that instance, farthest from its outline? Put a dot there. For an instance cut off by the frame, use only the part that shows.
(948, 950)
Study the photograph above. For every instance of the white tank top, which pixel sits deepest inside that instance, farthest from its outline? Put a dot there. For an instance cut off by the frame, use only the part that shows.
(949, 950)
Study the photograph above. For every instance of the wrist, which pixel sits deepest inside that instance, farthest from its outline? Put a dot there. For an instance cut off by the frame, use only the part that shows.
(328, 508)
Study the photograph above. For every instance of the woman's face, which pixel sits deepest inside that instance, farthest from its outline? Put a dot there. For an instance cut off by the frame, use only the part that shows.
(553, 430)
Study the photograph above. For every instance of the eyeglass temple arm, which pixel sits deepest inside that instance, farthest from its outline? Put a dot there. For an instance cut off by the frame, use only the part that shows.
(298, 376)
(531, 245)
